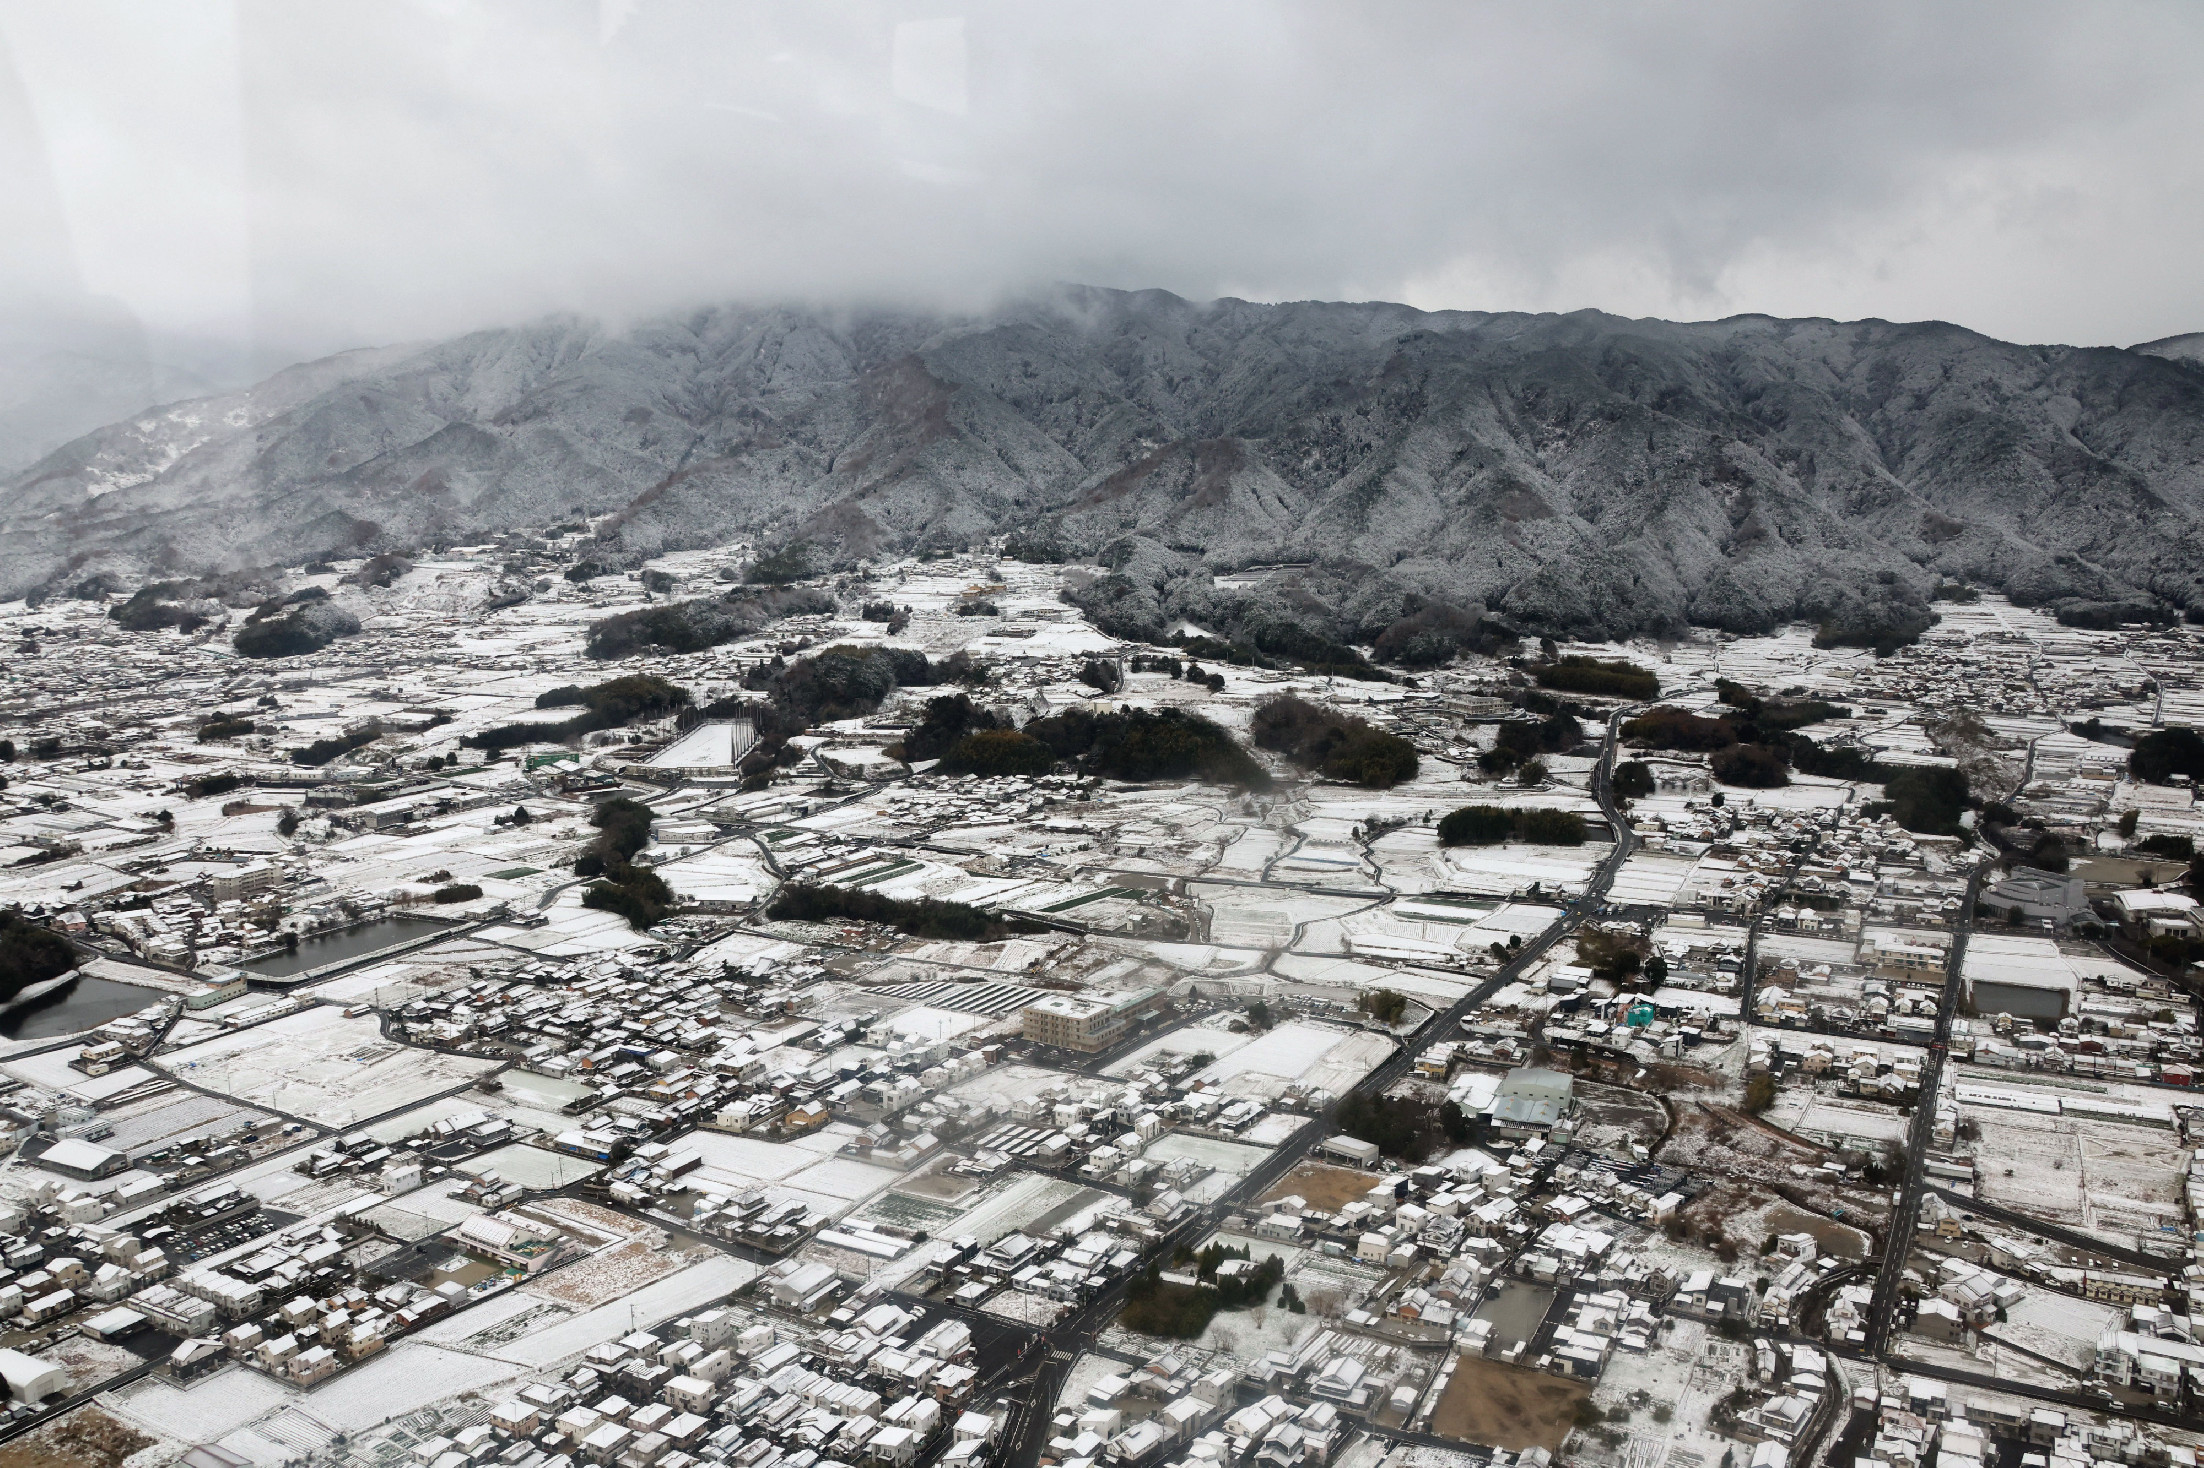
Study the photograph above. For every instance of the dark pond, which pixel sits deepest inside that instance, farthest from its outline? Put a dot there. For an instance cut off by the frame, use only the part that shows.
(357, 941)
(86, 1004)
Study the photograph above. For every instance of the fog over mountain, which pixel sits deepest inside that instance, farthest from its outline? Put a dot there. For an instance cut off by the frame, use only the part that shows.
(1570, 473)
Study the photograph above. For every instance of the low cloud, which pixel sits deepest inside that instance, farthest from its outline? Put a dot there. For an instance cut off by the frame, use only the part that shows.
(305, 177)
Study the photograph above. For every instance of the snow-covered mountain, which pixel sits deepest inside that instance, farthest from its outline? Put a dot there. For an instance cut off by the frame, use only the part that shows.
(1576, 472)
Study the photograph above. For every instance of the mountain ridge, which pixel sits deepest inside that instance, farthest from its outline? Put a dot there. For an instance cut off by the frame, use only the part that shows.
(1576, 472)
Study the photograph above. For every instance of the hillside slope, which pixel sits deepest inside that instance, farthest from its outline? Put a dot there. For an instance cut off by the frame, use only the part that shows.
(1576, 472)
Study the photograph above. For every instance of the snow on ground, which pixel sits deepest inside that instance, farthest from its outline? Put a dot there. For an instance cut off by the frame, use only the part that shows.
(570, 930)
(1249, 917)
(2058, 1326)
(1425, 984)
(52, 1071)
(844, 1179)
(2116, 1180)
(1384, 932)
(1246, 853)
(1231, 1161)
(201, 1411)
(1509, 869)
(921, 1022)
(405, 1378)
(690, 1290)
(1991, 1359)
(1299, 1053)
(1005, 1084)
(1024, 1309)
(321, 1066)
(1028, 1203)
(731, 873)
(1775, 947)
(733, 1163)
(1196, 1039)
(1650, 877)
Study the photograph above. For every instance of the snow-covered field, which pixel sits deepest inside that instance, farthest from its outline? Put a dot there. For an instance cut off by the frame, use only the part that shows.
(321, 1066)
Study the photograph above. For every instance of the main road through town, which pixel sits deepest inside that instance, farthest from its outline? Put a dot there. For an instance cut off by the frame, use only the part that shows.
(1032, 1383)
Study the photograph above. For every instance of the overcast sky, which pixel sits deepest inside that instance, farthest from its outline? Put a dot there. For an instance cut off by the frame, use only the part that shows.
(306, 176)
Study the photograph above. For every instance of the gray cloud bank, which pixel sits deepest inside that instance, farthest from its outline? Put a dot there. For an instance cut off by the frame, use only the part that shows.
(298, 177)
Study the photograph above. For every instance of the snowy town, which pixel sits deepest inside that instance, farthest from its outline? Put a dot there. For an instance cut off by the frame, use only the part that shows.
(719, 1014)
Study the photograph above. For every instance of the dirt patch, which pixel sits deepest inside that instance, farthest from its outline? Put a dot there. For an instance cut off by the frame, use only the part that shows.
(938, 1183)
(608, 1274)
(1506, 1406)
(1753, 1165)
(590, 1223)
(1830, 1237)
(1628, 1073)
(86, 1438)
(1611, 1116)
(1327, 1188)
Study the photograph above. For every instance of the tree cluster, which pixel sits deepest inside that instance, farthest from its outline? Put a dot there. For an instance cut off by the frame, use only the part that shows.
(607, 705)
(782, 565)
(998, 752)
(1619, 958)
(1490, 825)
(924, 917)
(1520, 741)
(2164, 753)
(157, 607)
(1386, 1006)
(1174, 1311)
(693, 626)
(1140, 744)
(1753, 766)
(30, 954)
(301, 630)
(324, 751)
(1925, 799)
(1755, 744)
(635, 893)
(1435, 633)
(1335, 745)
(846, 682)
(1408, 1127)
(1102, 674)
(1610, 678)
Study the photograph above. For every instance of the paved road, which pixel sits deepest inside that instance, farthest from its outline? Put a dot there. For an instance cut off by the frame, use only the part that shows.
(1034, 1398)
(2072, 1238)
(1906, 1215)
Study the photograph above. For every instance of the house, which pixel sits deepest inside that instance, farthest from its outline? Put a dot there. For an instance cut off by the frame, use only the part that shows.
(515, 1419)
(312, 1365)
(2146, 1363)
(1940, 1320)
(801, 1288)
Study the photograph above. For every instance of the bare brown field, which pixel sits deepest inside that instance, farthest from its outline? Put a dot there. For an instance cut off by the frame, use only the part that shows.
(1328, 1188)
(1506, 1406)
